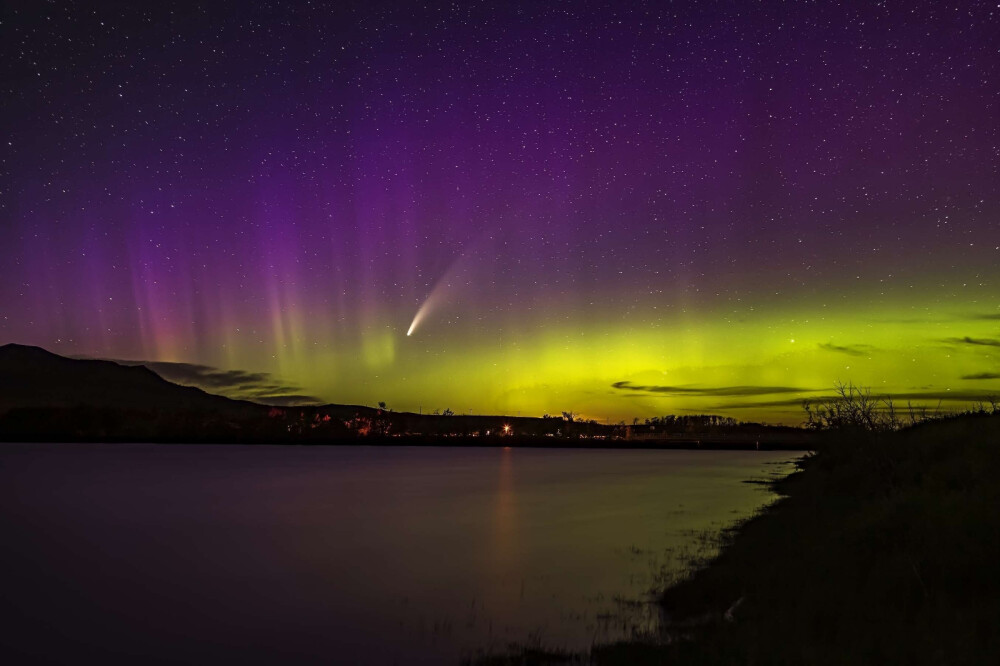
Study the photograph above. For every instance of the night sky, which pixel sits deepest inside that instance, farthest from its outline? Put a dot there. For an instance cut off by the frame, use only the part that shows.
(614, 208)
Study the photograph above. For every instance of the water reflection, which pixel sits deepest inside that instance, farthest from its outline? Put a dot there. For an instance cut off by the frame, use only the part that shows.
(503, 546)
(358, 555)
(503, 595)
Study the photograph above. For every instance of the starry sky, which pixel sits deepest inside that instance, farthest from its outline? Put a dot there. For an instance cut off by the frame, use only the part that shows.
(621, 209)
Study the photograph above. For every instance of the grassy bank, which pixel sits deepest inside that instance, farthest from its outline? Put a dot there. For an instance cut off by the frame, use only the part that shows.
(886, 549)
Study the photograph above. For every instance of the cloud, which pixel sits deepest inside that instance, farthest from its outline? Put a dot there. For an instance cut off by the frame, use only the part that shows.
(982, 342)
(287, 400)
(850, 350)
(983, 375)
(991, 315)
(789, 402)
(965, 395)
(256, 386)
(899, 399)
(203, 375)
(720, 391)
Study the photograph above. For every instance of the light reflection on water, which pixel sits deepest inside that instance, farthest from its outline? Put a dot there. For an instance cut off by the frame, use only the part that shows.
(347, 554)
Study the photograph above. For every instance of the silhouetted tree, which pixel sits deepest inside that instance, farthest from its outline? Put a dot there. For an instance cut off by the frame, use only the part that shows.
(852, 408)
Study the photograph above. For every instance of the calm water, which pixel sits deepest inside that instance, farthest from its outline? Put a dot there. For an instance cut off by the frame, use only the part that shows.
(139, 553)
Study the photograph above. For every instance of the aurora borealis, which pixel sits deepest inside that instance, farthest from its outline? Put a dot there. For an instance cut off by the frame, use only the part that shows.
(622, 209)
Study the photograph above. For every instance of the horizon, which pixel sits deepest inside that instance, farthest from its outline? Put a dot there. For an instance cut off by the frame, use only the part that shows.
(253, 388)
(613, 210)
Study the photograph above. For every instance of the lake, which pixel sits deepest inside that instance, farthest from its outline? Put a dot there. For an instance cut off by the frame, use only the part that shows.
(289, 554)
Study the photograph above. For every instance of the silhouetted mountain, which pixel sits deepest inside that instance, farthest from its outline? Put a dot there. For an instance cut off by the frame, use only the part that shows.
(34, 377)
(46, 397)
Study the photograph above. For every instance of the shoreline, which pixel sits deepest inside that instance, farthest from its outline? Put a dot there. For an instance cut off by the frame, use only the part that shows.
(882, 549)
(686, 444)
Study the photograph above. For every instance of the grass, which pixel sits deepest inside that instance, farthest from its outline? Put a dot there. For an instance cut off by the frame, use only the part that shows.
(524, 655)
(884, 549)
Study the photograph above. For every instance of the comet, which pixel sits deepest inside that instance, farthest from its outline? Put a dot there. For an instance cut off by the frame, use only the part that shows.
(417, 318)
(428, 305)
(449, 281)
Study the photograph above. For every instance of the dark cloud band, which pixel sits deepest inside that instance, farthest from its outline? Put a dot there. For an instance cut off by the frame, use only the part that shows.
(720, 391)
(256, 386)
(850, 350)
